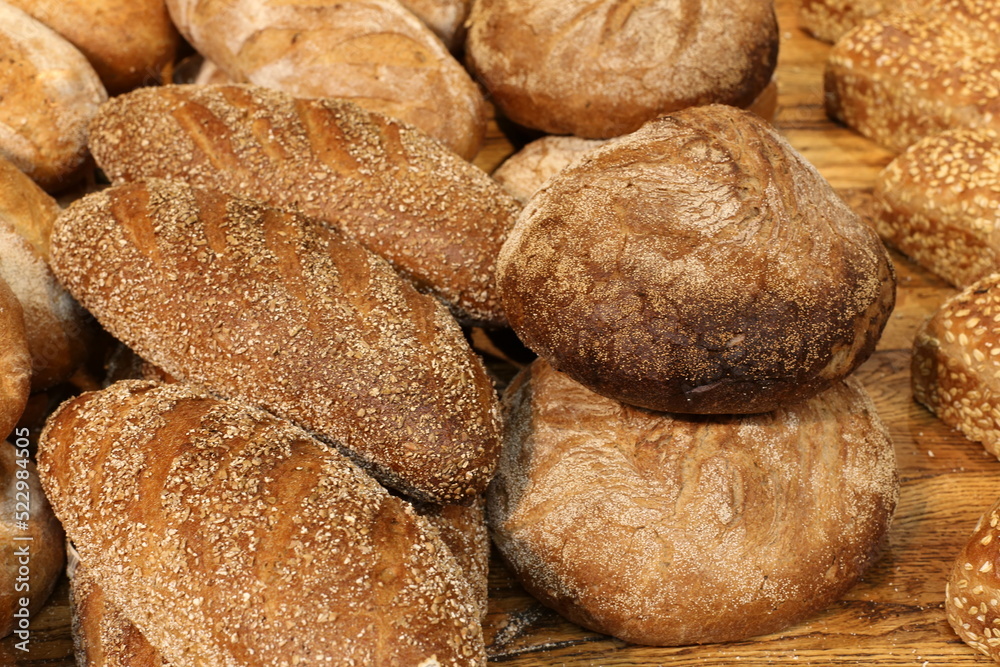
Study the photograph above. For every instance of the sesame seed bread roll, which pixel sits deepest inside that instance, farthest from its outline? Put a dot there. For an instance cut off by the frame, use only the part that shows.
(527, 170)
(938, 201)
(956, 363)
(902, 76)
(667, 531)
(128, 42)
(699, 265)
(829, 20)
(446, 18)
(602, 69)
(439, 220)
(57, 329)
(244, 541)
(372, 52)
(973, 590)
(15, 360)
(48, 94)
(40, 535)
(275, 310)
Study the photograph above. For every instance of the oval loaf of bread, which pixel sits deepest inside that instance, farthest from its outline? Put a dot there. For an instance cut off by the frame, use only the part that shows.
(372, 52)
(668, 531)
(230, 537)
(276, 310)
(128, 42)
(439, 220)
(48, 94)
(699, 265)
(602, 69)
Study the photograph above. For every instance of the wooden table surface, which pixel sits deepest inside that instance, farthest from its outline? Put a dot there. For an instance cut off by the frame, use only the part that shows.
(895, 616)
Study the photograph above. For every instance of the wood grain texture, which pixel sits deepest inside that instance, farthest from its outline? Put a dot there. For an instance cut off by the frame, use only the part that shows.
(895, 616)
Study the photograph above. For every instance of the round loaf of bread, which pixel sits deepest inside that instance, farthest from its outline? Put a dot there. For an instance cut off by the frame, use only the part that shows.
(15, 361)
(668, 531)
(699, 265)
(973, 587)
(48, 94)
(601, 69)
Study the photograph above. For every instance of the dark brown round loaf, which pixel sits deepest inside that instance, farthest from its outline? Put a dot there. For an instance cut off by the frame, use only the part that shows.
(669, 531)
(602, 69)
(699, 265)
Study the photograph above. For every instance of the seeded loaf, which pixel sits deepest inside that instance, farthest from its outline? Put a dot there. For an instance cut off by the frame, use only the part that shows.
(273, 309)
(372, 52)
(15, 361)
(829, 20)
(956, 363)
(665, 530)
(699, 265)
(438, 220)
(244, 541)
(602, 69)
(48, 94)
(972, 591)
(905, 75)
(128, 42)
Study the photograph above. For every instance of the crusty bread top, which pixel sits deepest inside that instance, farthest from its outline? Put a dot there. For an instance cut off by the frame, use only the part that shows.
(49, 92)
(277, 310)
(438, 220)
(27, 207)
(372, 52)
(973, 586)
(230, 537)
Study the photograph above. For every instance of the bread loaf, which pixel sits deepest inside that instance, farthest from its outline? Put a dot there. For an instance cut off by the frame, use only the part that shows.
(128, 42)
(438, 220)
(669, 531)
(955, 364)
(699, 265)
(903, 76)
(48, 93)
(602, 69)
(829, 20)
(32, 554)
(273, 309)
(244, 541)
(972, 590)
(15, 362)
(524, 172)
(56, 327)
(372, 52)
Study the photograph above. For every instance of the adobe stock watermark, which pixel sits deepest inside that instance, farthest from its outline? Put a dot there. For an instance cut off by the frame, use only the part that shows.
(22, 543)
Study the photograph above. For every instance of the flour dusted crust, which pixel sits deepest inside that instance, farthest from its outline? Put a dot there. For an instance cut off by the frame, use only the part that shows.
(602, 69)
(956, 363)
(244, 541)
(699, 265)
(48, 94)
(972, 594)
(939, 203)
(372, 52)
(527, 170)
(439, 220)
(274, 309)
(128, 42)
(445, 17)
(15, 361)
(667, 530)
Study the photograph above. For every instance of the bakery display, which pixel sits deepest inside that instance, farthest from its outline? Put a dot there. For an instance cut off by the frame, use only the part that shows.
(668, 530)
(973, 587)
(372, 52)
(938, 201)
(129, 43)
(276, 310)
(439, 220)
(699, 265)
(263, 545)
(48, 94)
(602, 69)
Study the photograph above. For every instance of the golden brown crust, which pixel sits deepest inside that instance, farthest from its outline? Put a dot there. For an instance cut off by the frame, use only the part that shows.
(937, 204)
(602, 69)
(669, 531)
(128, 42)
(244, 541)
(829, 20)
(372, 52)
(698, 265)
(956, 367)
(903, 76)
(446, 18)
(439, 220)
(276, 310)
(35, 547)
(972, 594)
(15, 361)
(48, 94)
